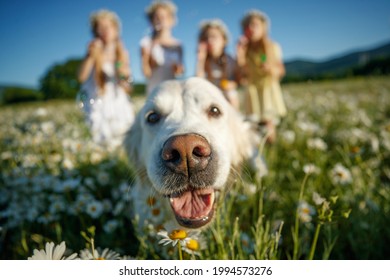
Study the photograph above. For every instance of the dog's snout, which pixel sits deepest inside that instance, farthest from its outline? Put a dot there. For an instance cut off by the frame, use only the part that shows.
(186, 154)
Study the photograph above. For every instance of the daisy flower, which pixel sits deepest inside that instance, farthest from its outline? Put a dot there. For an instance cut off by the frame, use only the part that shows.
(95, 209)
(52, 252)
(110, 226)
(317, 144)
(311, 169)
(340, 175)
(103, 178)
(194, 243)
(305, 212)
(172, 237)
(97, 254)
(318, 199)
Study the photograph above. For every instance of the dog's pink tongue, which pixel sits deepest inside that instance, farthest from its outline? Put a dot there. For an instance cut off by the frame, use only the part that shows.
(193, 204)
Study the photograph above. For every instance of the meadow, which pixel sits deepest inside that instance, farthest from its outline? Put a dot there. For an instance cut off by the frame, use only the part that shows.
(326, 194)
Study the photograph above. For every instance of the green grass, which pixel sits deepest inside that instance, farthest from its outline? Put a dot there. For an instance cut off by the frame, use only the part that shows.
(51, 173)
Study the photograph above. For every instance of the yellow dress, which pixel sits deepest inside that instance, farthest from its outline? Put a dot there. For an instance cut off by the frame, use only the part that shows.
(263, 98)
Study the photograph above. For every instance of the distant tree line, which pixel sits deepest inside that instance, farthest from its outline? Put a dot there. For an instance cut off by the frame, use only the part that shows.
(375, 67)
(60, 81)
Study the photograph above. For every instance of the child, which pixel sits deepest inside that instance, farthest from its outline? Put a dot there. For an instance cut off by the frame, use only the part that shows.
(214, 63)
(260, 61)
(105, 76)
(161, 53)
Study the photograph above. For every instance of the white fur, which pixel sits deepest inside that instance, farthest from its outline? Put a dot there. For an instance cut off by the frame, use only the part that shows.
(183, 106)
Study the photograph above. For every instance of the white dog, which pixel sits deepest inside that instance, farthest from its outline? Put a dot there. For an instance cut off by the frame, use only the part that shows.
(184, 143)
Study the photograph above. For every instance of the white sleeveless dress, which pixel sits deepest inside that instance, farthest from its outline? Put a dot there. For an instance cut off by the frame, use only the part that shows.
(109, 113)
(165, 57)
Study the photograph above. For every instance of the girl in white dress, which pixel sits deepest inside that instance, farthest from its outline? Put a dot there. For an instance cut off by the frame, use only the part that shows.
(162, 54)
(105, 76)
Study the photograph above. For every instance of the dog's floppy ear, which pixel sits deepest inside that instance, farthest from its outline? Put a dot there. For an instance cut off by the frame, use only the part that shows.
(132, 142)
(245, 139)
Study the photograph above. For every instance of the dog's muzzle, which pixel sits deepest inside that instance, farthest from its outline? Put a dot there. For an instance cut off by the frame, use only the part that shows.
(188, 159)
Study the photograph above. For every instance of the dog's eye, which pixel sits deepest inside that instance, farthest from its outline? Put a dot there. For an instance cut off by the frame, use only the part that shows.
(153, 117)
(214, 112)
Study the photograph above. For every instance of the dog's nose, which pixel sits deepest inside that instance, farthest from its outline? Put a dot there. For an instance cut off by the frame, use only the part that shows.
(186, 154)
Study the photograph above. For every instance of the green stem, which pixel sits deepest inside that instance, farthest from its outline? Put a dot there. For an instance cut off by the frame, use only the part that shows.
(180, 252)
(296, 226)
(93, 247)
(314, 243)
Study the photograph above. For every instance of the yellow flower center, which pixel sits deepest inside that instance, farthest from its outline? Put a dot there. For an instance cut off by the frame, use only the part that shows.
(193, 245)
(177, 234)
(342, 175)
(156, 212)
(151, 201)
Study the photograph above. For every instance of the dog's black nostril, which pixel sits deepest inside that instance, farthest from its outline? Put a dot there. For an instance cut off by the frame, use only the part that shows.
(171, 155)
(175, 156)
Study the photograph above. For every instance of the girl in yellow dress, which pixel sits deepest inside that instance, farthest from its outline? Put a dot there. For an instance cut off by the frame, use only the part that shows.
(261, 68)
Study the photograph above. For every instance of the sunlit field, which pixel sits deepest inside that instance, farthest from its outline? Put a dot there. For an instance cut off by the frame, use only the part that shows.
(326, 195)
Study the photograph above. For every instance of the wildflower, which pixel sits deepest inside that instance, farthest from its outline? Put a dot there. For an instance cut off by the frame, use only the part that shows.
(57, 206)
(41, 112)
(318, 200)
(103, 178)
(47, 218)
(173, 237)
(95, 209)
(97, 254)
(308, 127)
(305, 212)
(288, 136)
(67, 185)
(317, 144)
(89, 182)
(340, 175)
(194, 243)
(52, 252)
(96, 157)
(48, 127)
(67, 163)
(192, 246)
(110, 226)
(311, 169)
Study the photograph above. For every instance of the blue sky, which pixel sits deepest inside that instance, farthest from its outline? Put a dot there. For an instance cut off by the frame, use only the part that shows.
(36, 34)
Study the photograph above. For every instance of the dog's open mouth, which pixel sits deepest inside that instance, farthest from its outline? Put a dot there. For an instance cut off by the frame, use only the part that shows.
(193, 208)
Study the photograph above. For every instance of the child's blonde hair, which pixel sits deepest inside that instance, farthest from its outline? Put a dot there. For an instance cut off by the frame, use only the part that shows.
(152, 8)
(214, 23)
(120, 52)
(96, 16)
(255, 14)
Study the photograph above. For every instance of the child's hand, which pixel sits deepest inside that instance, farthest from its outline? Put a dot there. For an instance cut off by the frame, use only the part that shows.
(177, 69)
(242, 47)
(202, 51)
(266, 68)
(95, 47)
